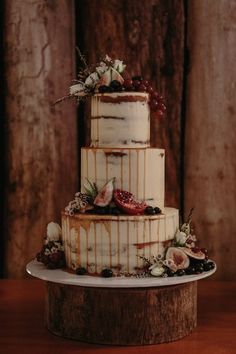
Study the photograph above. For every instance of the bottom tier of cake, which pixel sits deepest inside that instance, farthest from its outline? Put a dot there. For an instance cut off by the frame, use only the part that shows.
(96, 242)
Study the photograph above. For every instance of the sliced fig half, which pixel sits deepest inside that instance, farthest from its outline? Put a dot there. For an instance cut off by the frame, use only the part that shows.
(125, 201)
(105, 195)
(195, 253)
(179, 257)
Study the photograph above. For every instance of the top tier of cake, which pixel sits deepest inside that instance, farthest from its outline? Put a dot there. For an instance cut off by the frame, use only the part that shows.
(120, 120)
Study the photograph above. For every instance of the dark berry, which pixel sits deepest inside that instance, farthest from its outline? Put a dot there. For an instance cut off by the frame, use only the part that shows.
(145, 83)
(211, 265)
(149, 89)
(142, 88)
(162, 107)
(150, 210)
(115, 211)
(103, 89)
(116, 85)
(128, 83)
(101, 211)
(190, 270)
(170, 273)
(136, 83)
(180, 272)
(155, 95)
(154, 104)
(157, 210)
(80, 271)
(199, 268)
(207, 267)
(137, 78)
(107, 273)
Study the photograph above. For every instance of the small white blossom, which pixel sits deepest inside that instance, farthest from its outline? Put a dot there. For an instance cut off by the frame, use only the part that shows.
(181, 237)
(157, 271)
(77, 90)
(92, 80)
(119, 66)
(53, 232)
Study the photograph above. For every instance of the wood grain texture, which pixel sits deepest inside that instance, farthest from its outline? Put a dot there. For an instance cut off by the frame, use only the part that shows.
(149, 37)
(121, 316)
(210, 164)
(23, 331)
(41, 156)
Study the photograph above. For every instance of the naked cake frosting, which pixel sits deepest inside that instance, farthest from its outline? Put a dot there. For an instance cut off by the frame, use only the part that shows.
(118, 224)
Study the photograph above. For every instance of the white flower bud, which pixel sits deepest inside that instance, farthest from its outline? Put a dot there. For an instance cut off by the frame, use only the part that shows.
(181, 237)
(157, 271)
(53, 232)
(77, 90)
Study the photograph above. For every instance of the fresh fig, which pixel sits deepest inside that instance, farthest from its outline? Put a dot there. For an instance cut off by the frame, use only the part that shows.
(194, 252)
(179, 257)
(125, 201)
(105, 195)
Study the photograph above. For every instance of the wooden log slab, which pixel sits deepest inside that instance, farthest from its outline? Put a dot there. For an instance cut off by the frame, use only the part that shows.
(136, 316)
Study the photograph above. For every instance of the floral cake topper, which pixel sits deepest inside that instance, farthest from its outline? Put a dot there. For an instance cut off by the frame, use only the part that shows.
(108, 76)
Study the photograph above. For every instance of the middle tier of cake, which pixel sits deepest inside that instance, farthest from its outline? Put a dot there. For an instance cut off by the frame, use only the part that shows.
(138, 170)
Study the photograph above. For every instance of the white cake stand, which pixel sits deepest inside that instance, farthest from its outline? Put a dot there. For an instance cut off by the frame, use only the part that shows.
(117, 310)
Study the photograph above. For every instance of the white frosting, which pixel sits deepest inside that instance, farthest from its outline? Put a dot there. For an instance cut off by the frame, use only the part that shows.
(120, 124)
(116, 242)
(139, 171)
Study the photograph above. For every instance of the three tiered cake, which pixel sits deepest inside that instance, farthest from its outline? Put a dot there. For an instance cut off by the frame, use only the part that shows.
(120, 148)
(118, 224)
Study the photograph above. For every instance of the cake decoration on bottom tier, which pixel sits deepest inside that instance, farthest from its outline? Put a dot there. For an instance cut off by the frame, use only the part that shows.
(103, 237)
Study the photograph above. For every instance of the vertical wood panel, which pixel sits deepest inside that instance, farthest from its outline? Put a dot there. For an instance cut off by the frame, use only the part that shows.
(211, 129)
(149, 37)
(41, 157)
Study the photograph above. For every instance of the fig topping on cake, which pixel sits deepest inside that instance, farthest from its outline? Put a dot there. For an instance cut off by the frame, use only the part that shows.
(105, 195)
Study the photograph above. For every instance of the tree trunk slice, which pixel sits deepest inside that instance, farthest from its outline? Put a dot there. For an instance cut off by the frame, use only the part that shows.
(121, 316)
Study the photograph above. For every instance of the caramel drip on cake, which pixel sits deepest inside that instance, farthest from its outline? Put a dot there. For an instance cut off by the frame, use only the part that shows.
(118, 242)
(127, 246)
(120, 99)
(150, 238)
(137, 174)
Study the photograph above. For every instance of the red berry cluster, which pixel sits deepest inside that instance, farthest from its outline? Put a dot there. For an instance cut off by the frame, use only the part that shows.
(137, 83)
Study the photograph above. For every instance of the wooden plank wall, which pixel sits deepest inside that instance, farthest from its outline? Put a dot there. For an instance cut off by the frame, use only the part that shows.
(40, 141)
(149, 37)
(210, 163)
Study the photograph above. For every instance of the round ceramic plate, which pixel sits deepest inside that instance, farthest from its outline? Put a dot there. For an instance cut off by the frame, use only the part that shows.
(38, 270)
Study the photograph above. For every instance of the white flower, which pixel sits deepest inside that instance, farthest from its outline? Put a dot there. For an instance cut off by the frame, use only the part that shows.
(53, 232)
(92, 79)
(101, 69)
(77, 90)
(185, 228)
(157, 271)
(180, 237)
(119, 66)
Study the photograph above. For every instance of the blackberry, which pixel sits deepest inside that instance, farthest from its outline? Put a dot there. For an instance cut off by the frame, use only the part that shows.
(103, 89)
(157, 210)
(116, 85)
(170, 272)
(180, 272)
(190, 270)
(150, 210)
(80, 271)
(107, 273)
